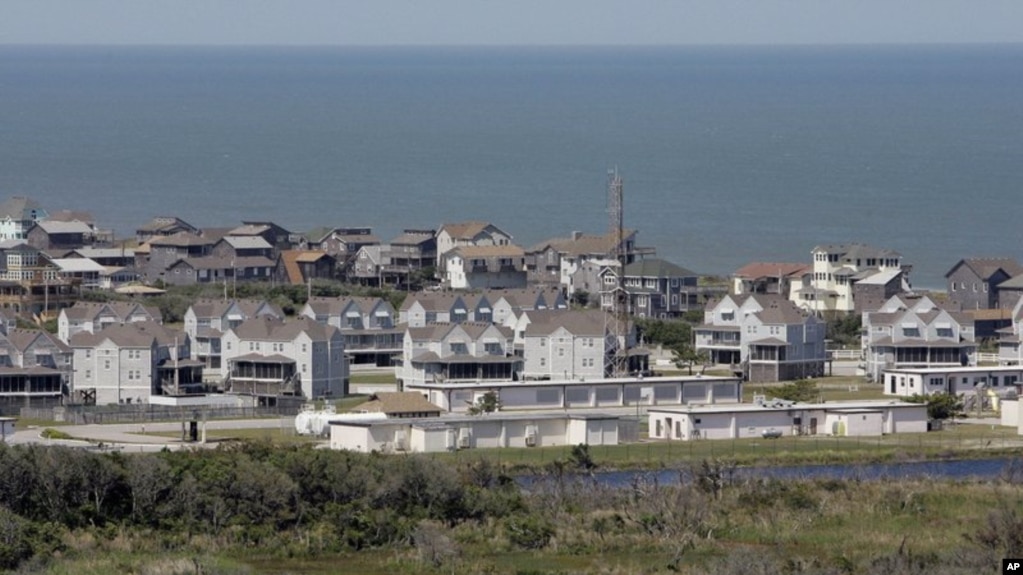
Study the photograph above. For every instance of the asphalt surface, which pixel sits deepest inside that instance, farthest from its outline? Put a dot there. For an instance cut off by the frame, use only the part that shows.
(138, 436)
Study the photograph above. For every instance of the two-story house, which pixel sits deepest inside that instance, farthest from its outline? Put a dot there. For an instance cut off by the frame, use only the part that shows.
(95, 316)
(57, 235)
(17, 216)
(484, 267)
(422, 308)
(763, 337)
(161, 252)
(393, 263)
(779, 278)
(367, 324)
(34, 368)
(30, 283)
(555, 261)
(836, 269)
(509, 304)
(661, 289)
(162, 226)
(299, 267)
(911, 332)
(973, 282)
(1010, 339)
(270, 358)
(130, 362)
(206, 320)
(566, 345)
(242, 247)
(465, 352)
(465, 234)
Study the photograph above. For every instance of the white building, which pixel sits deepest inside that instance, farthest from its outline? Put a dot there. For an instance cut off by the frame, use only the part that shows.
(751, 421)
(836, 268)
(91, 317)
(566, 344)
(494, 430)
(636, 392)
(367, 324)
(484, 267)
(464, 352)
(206, 320)
(17, 216)
(128, 363)
(763, 336)
(913, 332)
(953, 380)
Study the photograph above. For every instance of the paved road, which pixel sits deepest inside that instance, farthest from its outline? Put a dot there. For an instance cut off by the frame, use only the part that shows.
(137, 436)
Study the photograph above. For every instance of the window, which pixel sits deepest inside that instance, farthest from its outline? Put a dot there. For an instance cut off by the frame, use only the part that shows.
(543, 362)
(303, 368)
(543, 342)
(88, 374)
(88, 354)
(561, 352)
(106, 364)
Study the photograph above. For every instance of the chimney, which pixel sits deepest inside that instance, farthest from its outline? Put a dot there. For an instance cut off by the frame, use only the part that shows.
(576, 235)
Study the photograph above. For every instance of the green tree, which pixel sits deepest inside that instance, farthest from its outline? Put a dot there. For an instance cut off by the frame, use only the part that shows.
(803, 390)
(940, 405)
(685, 355)
(666, 332)
(489, 402)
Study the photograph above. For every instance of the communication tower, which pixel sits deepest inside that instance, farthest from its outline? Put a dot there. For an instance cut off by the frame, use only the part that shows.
(617, 313)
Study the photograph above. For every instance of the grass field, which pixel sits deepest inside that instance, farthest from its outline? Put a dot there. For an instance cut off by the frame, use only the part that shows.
(960, 440)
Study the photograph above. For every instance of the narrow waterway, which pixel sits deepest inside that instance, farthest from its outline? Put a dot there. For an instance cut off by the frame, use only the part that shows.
(957, 469)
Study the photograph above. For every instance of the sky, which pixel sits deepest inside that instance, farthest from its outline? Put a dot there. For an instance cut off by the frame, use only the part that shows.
(511, 22)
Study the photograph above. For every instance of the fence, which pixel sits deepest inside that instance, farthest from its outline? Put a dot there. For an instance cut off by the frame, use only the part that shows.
(81, 415)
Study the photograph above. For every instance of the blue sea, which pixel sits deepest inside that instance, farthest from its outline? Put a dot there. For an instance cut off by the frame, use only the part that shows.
(728, 154)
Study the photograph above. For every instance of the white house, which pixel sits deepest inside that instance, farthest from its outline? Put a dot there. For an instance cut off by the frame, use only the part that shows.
(763, 336)
(484, 267)
(471, 233)
(17, 216)
(751, 421)
(566, 344)
(206, 320)
(128, 363)
(92, 316)
(469, 351)
(367, 324)
(836, 268)
(913, 332)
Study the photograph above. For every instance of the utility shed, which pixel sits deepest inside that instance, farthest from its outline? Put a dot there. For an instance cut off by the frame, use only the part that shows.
(496, 430)
(748, 421)
(6, 427)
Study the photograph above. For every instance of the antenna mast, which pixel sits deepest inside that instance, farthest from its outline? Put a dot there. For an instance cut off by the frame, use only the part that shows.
(617, 316)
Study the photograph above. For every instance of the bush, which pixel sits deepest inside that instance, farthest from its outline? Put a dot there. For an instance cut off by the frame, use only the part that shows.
(529, 532)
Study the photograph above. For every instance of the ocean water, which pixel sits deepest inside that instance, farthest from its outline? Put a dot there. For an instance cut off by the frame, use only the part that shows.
(728, 154)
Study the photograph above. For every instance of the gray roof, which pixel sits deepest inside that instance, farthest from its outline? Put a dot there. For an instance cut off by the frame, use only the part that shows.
(1015, 282)
(656, 267)
(181, 239)
(20, 208)
(579, 323)
(210, 308)
(138, 334)
(224, 263)
(84, 310)
(984, 268)
(855, 250)
(247, 242)
(60, 227)
(268, 328)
